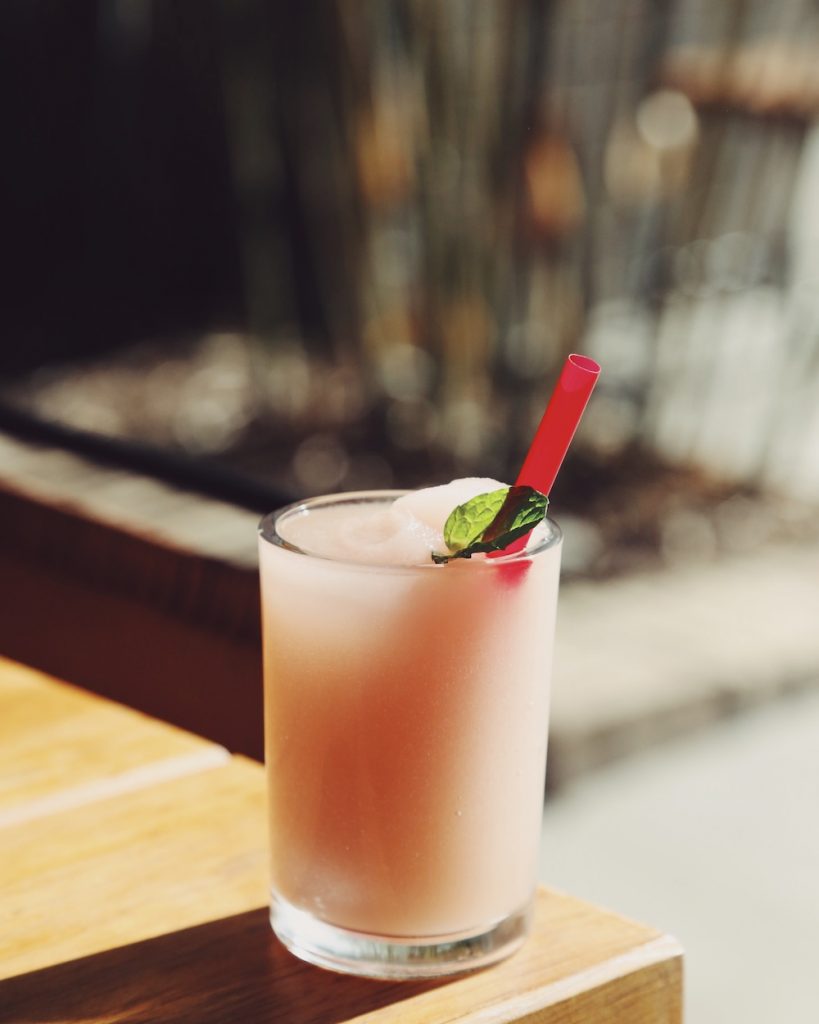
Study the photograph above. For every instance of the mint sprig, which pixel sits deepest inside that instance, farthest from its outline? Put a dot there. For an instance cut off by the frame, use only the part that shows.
(492, 521)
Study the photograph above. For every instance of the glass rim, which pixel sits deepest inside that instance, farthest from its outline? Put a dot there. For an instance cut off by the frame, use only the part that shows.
(268, 532)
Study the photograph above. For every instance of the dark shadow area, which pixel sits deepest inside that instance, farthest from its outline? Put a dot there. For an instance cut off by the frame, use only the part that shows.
(116, 183)
(221, 972)
(167, 631)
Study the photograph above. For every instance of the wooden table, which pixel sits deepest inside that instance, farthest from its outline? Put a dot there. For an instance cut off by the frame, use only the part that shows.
(133, 888)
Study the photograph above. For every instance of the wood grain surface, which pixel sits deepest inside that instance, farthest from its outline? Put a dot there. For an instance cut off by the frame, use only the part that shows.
(133, 866)
(580, 967)
(61, 746)
(146, 900)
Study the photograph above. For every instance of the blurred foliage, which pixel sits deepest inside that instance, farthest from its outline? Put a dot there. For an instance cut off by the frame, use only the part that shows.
(356, 240)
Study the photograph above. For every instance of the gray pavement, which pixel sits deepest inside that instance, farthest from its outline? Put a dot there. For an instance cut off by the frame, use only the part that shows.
(645, 657)
(713, 838)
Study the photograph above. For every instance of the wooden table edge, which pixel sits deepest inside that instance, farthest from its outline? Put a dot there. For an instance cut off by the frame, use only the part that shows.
(529, 1006)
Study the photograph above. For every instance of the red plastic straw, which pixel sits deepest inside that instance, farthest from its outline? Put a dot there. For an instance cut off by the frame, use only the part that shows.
(559, 423)
(556, 430)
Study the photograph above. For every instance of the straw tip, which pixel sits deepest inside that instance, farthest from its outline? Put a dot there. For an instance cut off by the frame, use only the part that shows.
(584, 363)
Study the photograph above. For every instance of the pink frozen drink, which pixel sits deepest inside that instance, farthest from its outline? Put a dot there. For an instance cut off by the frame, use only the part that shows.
(406, 713)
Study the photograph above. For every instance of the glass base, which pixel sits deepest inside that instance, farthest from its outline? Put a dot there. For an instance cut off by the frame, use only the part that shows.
(374, 956)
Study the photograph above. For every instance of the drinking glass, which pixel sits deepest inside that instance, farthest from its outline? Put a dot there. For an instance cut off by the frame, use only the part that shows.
(406, 717)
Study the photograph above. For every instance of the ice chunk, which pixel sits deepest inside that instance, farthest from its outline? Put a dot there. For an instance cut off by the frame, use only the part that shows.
(381, 536)
(432, 505)
(389, 536)
(405, 532)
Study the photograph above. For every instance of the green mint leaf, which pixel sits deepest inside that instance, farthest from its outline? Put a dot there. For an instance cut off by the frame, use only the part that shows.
(492, 521)
(467, 523)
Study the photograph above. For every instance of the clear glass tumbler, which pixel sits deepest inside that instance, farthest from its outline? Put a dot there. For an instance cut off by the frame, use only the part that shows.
(406, 717)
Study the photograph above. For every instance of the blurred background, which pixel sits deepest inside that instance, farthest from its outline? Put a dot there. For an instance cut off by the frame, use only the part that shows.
(260, 250)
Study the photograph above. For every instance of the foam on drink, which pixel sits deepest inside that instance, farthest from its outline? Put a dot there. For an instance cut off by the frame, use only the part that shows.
(404, 532)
